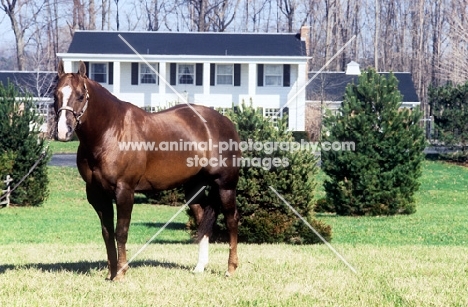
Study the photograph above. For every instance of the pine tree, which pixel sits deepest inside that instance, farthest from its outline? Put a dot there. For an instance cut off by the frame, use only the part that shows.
(449, 105)
(21, 146)
(381, 175)
(264, 218)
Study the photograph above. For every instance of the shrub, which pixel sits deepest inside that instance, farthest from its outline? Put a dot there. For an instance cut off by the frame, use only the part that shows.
(174, 197)
(264, 218)
(21, 147)
(449, 104)
(323, 205)
(381, 175)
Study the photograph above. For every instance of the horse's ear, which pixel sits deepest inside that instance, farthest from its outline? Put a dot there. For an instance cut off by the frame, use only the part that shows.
(82, 69)
(60, 70)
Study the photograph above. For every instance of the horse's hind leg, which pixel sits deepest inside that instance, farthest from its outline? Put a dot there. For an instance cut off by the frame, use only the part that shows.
(229, 209)
(102, 203)
(205, 217)
(124, 197)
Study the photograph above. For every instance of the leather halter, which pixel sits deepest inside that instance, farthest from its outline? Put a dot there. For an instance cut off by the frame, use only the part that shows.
(77, 115)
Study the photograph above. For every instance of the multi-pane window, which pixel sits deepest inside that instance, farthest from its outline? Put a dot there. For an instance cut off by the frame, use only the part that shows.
(272, 114)
(186, 73)
(224, 74)
(147, 73)
(99, 72)
(273, 75)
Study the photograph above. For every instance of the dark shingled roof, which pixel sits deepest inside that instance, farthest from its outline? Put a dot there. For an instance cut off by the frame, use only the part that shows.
(330, 86)
(38, 84)
(195, 43)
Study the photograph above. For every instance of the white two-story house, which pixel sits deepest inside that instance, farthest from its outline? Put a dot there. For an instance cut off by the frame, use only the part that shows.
(212, 69)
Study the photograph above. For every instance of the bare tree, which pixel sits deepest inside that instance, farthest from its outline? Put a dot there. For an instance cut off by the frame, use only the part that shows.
(198, 11)
(210, 15)
(316, 22)
(22, 15)
(437, 21)
(454, 66)
(135, 18)
(223, 15)
(158, 14)
(152, 13)
(92, 15)
(253, 12)
(51, 26)
(78, 21)
(105, 8)
(426, 37)
(330, 25)
(11, 9)
(288, 9)
(117, 17)
(377, 35)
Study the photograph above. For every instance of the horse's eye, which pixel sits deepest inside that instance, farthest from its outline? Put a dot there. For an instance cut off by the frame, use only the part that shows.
(81, 98)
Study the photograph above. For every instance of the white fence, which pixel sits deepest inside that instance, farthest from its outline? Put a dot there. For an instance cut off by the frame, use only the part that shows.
(45, 108)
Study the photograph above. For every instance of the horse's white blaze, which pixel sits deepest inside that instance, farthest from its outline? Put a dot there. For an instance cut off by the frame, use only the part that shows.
(62, 128)
(202, 254)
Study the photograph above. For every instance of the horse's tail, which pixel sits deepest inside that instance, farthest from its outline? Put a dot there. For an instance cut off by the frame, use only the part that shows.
(206, 224)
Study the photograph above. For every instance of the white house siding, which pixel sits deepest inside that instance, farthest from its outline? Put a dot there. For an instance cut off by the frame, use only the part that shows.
(223, 96)
(141, 94)
(296, 99)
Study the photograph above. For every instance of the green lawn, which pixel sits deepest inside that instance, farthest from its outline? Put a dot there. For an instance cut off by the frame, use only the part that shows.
(67, 218)
(63, 147)
(53, 256)
(441, 217)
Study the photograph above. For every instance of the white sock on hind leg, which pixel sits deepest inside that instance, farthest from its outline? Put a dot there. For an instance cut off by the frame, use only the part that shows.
(202, 254)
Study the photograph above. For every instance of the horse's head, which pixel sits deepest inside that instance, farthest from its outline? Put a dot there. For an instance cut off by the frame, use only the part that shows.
(71, 101)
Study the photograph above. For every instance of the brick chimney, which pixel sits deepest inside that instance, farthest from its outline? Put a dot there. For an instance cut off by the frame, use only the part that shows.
(305, 37)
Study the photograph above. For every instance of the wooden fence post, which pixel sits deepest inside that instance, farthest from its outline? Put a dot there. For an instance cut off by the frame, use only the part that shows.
(6, 202)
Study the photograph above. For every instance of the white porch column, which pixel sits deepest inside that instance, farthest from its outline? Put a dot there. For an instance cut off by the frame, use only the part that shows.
(162, 84)
(116, 87)
(297, 105)
(68, 67)
(206, 79)
(252, 80)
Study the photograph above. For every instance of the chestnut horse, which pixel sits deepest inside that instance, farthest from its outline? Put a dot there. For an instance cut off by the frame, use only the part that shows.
(102, 123)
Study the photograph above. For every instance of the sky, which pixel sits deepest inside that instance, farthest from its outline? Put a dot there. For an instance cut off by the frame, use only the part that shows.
(6, 33)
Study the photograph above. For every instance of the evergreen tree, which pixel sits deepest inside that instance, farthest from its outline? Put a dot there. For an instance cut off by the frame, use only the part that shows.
(381, 175)
(21, 146)
(264, 218)
(449, 105)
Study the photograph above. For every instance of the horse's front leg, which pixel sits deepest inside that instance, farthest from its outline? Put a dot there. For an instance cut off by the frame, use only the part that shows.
(124, 197)
(102, 203)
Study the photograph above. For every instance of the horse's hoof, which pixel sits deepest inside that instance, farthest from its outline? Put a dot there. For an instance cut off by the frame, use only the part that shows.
(230, 273)
(120, 277)
(199, 269)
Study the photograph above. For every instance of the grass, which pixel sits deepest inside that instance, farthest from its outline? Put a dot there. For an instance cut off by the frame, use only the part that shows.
(57, 147)
(441, 217)
(53, 256)
(67, 218)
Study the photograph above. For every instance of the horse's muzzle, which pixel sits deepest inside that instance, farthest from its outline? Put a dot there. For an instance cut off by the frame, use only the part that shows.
(65, 126)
